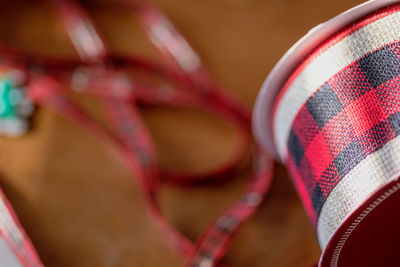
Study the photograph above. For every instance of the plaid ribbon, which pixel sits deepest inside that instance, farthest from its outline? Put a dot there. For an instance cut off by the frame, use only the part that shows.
(100, 74)
(339, 118)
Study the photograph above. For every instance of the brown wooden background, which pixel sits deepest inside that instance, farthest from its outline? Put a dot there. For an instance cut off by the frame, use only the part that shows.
(80, 205)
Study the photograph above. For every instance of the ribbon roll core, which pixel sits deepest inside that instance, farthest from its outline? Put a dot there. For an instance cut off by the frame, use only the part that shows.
(330, 110)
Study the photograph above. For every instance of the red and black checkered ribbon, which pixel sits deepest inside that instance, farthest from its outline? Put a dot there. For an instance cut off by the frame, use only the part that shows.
(348, 123)
(346, 94)
(328, 139)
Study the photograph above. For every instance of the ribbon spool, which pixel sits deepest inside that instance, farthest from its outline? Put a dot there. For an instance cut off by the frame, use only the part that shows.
(330, 109)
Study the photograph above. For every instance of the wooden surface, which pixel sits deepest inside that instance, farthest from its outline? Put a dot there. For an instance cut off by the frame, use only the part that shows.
(79, 203)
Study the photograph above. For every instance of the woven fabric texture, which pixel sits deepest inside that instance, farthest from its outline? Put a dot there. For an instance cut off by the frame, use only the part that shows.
(339, 116)
(330, 58)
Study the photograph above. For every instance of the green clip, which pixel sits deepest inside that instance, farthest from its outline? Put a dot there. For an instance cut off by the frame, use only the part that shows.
(15, 108)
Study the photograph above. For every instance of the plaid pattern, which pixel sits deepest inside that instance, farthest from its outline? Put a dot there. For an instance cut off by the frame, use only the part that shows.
(352, 115)
(337, 53)
(213, 244)
(375, 171)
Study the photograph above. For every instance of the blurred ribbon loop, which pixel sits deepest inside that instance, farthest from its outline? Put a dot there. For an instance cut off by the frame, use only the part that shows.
(104, 76)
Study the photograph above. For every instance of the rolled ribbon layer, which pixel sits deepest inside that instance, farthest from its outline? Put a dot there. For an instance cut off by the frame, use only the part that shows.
(336, 122)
